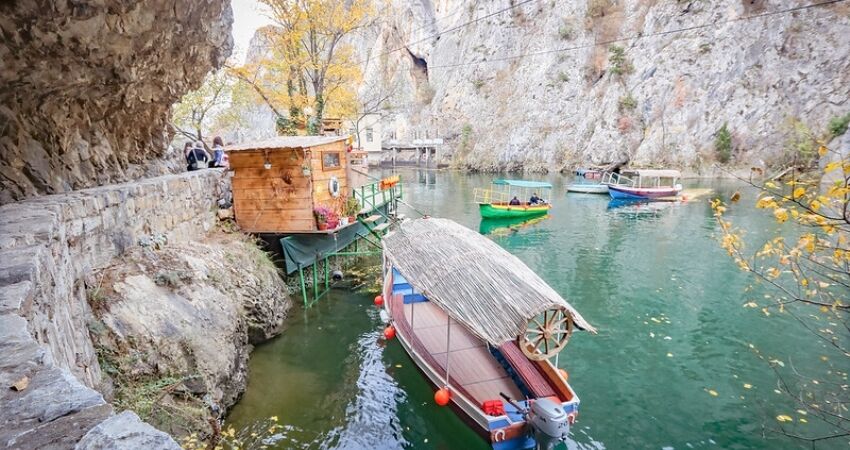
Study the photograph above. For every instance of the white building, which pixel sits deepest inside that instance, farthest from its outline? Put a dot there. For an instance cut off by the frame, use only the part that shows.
(368, 138)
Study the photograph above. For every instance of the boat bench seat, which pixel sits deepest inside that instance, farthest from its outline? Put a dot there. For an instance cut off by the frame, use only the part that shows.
(527, 371)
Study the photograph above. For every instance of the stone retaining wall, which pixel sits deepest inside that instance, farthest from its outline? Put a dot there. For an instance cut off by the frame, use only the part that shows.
(49, 249)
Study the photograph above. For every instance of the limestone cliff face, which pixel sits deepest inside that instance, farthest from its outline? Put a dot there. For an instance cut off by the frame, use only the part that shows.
(86, 86)
(538, 87)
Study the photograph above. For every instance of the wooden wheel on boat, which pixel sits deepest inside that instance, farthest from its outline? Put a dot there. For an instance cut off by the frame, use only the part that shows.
(547, 334)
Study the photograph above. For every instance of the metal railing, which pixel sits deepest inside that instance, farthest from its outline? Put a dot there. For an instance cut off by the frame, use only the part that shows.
(488, 196)
(371, 196)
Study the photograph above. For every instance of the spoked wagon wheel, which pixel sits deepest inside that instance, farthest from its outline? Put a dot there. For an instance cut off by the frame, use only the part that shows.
(547, 334)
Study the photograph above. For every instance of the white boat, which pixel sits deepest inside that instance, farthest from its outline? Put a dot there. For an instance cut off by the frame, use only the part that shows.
(588, 181)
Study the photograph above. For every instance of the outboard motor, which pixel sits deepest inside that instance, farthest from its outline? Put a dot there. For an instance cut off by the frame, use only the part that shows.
(549, 422)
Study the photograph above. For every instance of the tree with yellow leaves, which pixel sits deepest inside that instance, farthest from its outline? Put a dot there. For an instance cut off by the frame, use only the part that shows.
(809, 265)
(310, 67)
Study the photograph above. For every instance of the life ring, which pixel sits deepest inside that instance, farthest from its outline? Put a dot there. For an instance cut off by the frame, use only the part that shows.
(333, 186)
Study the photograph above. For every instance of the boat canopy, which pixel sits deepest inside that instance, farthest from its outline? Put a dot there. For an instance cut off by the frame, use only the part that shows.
(474, 280)
(524, 183)
(653, 173)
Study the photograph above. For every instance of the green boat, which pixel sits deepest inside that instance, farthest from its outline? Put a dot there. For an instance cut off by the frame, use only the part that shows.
(503, 199)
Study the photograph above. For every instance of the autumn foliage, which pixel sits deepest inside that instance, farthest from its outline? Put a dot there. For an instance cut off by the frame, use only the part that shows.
(808, 264)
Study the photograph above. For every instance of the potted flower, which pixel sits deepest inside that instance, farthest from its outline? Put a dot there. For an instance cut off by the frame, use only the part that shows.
(321, 213)
(352, 207)
(333, 219)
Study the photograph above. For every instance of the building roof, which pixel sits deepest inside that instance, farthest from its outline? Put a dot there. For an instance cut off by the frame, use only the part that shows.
(474, 280)
(285, 142)
(659, 173)
(524, 183)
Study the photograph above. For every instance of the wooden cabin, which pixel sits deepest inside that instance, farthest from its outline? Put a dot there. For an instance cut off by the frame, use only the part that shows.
(279, 181)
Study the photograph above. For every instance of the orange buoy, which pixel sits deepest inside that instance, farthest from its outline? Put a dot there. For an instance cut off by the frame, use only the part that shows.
(442, 396)
(379, 301)
(389, 332)
(564, 374)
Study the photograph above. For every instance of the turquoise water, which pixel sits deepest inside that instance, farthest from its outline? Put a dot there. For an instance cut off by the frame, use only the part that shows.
(667, 370)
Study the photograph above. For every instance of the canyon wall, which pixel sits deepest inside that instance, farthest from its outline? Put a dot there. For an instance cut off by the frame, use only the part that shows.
(86, 87)
(544, 85)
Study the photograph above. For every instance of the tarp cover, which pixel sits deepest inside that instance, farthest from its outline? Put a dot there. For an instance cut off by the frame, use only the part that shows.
(524, 183)
(304, 249)
(473, 279)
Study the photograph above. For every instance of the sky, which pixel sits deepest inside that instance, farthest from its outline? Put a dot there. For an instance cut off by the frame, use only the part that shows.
(248, 15)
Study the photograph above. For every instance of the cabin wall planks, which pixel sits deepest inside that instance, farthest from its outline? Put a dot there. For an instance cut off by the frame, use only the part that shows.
(281, 199)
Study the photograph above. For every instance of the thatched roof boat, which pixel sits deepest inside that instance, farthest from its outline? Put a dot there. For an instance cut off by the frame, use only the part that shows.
(483, 327)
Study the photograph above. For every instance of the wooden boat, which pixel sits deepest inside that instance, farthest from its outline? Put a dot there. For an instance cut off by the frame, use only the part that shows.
(495, 202)
(484, 334)
(588, 181)
(643, 184)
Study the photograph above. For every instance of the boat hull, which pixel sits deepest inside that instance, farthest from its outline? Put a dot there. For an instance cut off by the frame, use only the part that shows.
(588, 188)
(630, 193)
(491, 211)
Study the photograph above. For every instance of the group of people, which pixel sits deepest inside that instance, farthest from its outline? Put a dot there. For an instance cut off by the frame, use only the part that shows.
(534, 200)
(197, 156)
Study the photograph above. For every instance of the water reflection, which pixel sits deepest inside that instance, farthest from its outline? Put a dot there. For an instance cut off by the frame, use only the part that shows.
(507, 226)
(426, 176)
(638, 209)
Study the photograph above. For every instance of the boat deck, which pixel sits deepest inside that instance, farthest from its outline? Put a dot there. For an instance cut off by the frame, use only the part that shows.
(473, 370)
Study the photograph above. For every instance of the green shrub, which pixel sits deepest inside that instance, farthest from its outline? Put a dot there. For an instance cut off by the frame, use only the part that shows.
(565, 31)
(478, 83)
(563, 77)
(627, 103)
(618, 63)
(838, 125)
(723, 144)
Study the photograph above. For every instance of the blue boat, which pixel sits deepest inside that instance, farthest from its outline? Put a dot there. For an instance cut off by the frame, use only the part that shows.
(643, 184)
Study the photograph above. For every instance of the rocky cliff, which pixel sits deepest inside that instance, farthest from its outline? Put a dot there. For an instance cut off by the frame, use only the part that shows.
(544, 85)
(86, 86)
(125, 290)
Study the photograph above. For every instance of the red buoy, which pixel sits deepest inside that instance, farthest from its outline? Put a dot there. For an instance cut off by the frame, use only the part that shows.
(379, 301)
(564, 374)
(442, 396)
(389, 332)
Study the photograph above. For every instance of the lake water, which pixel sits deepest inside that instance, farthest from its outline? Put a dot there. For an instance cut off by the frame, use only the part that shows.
(671, 367)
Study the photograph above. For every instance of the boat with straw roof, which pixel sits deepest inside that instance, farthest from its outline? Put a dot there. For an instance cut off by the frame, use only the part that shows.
(483, 328)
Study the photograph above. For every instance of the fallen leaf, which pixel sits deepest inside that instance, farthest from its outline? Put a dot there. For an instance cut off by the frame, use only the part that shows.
(784, 418)
(713, 392)
(748, 386)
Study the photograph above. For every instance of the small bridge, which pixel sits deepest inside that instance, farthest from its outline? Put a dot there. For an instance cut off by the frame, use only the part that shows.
(415, 153)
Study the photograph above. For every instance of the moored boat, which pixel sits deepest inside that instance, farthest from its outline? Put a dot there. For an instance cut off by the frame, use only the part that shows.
(484, 334)
(588, 181)
(505, 199)
(643, 184)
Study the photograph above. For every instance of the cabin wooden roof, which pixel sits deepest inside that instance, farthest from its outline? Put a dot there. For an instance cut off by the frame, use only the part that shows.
(473, 279)
(285, 142)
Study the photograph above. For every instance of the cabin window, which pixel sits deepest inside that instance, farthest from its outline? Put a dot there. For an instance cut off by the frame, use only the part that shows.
(330, 160)
(369, 136)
